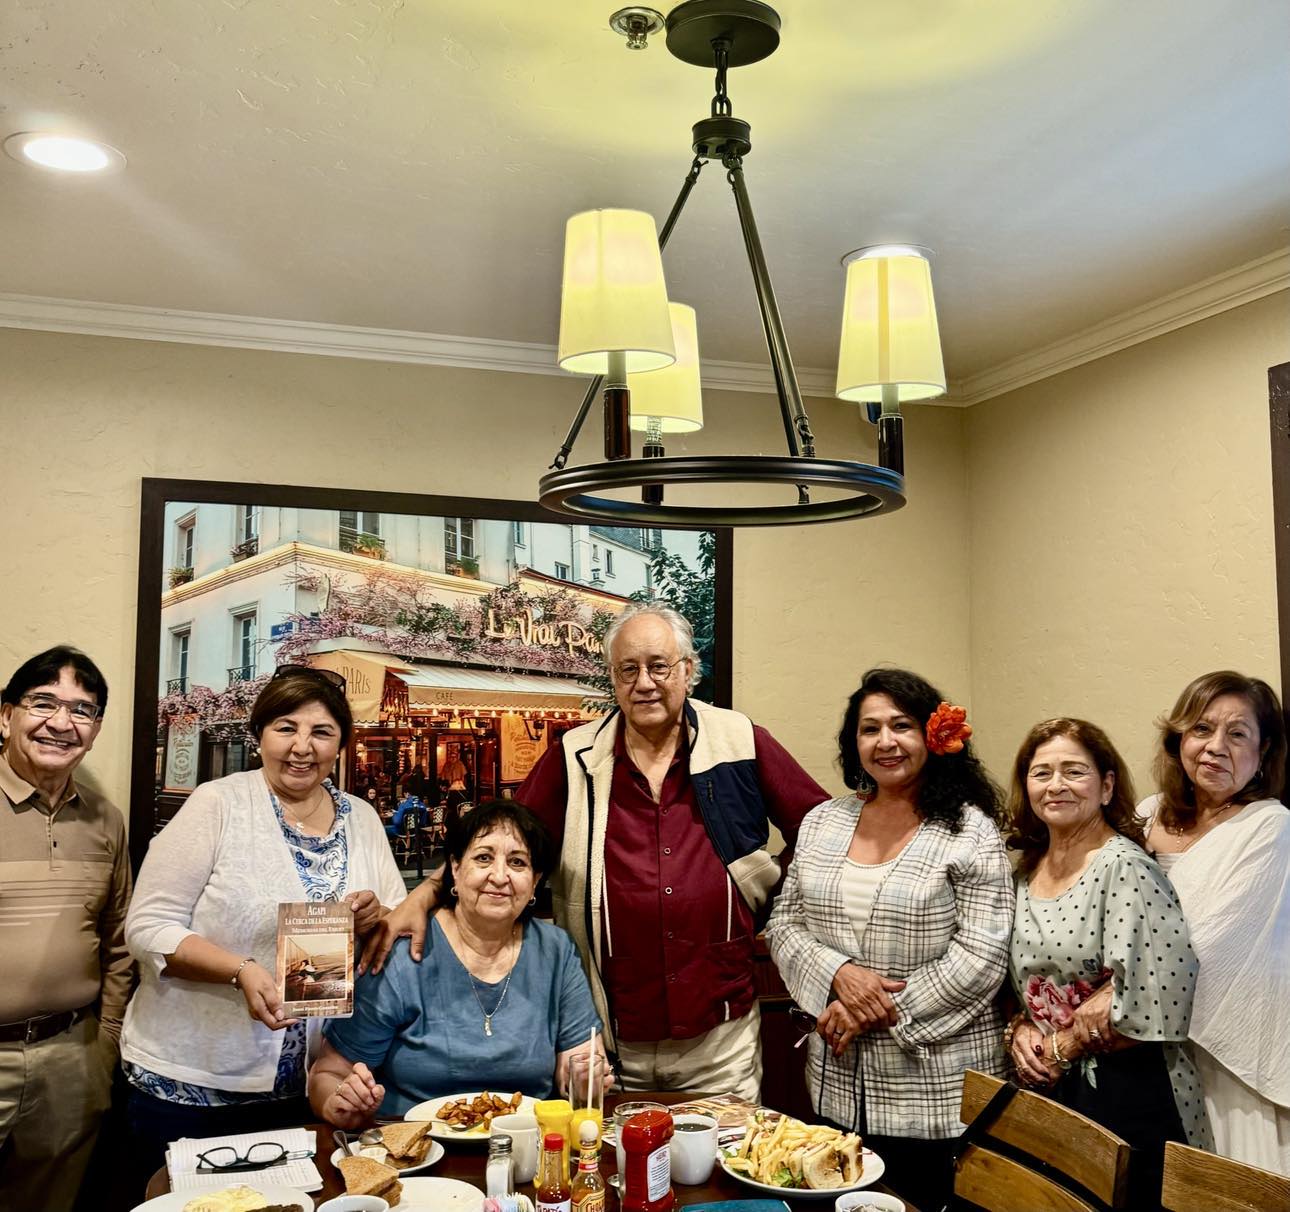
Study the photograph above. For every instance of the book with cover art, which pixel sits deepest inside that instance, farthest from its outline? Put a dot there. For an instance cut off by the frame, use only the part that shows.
(316, 959)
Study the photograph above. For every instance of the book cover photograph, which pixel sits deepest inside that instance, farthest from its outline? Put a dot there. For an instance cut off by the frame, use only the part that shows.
(316, 959)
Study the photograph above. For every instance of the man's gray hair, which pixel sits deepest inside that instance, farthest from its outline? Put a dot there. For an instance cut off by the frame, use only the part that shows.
(679, 624)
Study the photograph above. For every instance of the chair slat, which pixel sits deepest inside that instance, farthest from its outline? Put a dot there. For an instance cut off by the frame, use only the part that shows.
(1071, 1143)
(999, 1184)
(1196, 1181)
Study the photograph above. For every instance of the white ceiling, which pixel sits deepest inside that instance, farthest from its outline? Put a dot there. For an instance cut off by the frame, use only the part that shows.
(409, 164)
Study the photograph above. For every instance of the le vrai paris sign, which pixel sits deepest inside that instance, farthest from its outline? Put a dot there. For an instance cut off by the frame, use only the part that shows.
(562, 633)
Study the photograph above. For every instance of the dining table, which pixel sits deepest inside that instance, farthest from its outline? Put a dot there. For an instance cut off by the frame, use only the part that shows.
(465, 1161)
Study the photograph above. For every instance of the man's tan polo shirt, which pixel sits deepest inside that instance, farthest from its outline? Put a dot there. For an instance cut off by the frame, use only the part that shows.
(64, 890)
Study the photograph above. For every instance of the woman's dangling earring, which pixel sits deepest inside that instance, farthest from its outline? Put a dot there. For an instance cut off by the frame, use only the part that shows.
(533, 899)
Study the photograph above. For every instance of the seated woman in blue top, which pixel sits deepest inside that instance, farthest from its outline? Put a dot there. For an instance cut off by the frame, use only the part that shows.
(499, 1002)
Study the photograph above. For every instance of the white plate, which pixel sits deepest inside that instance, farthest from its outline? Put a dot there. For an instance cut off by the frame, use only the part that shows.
(438, 1195)
(441, 1131)
(871, 1172)
(174, 1201)
(433, 1154)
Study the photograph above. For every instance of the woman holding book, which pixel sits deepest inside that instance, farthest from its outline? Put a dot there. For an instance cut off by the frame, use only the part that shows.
(206, 1046)
(499, 1002)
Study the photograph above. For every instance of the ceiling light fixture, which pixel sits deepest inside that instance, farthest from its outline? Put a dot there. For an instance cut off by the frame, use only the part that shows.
(613, 314)
(62, 152)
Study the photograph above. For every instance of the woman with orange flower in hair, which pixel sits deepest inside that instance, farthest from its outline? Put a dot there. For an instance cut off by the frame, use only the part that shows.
(892, 929)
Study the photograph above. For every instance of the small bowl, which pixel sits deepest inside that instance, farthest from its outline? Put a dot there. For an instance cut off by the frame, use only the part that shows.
(355, 1203)
(857, 1201)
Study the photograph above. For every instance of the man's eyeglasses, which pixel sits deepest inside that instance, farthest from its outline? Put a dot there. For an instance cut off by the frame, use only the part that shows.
(260, 1156)
(45, 706)
(805, 1022)
(627, 673)
(325, 675)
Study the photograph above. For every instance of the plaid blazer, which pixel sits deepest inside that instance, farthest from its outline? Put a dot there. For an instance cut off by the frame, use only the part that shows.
(940, 921)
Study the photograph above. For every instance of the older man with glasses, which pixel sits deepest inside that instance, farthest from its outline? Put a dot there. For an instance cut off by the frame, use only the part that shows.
(64, 891)
(662, 814)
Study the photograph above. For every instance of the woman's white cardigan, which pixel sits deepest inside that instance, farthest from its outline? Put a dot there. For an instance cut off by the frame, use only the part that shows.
(219, 869)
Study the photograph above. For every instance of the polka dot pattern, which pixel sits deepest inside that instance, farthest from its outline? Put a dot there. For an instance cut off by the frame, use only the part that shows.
(1121, 916)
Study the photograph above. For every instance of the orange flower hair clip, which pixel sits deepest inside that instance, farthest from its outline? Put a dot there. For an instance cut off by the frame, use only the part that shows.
(948, 729)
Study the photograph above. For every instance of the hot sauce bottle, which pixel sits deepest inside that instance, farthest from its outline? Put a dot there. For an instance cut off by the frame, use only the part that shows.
(552, 1193)
(647, 1184)
(588, 1186)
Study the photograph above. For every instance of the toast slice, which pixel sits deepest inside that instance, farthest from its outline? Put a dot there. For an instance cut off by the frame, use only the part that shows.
(405, 1140)
(363, 1176)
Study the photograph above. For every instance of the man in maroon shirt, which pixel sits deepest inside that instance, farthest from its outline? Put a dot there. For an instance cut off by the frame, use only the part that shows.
(660, 813)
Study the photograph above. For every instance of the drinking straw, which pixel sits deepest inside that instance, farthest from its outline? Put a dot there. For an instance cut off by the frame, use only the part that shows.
(591, 1049)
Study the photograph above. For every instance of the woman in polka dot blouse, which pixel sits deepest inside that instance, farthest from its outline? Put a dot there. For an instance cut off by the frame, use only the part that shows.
(1100, 961)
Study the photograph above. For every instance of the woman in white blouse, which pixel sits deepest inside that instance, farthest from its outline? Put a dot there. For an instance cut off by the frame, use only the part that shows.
(892, 928)
(206, 1047)
(1222, 835)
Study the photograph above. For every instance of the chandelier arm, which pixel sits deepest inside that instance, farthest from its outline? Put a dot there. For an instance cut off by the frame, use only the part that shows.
(797, 425)
(562, 455)
(757, 263)
(593, 388)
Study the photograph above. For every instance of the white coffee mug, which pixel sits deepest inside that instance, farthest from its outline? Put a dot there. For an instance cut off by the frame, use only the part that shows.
(355, 1203)
(694, 1148)
(523, 1131)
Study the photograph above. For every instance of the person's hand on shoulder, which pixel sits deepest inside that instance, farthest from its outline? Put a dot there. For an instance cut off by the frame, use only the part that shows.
(408, 920)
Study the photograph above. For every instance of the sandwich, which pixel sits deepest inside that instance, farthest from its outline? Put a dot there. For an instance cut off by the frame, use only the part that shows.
(363, 1176)
(406, 1142)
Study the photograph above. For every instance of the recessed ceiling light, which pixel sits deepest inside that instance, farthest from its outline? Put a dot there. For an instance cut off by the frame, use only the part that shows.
(62, 152)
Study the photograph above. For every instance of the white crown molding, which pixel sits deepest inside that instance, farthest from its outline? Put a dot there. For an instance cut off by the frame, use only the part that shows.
(340, 341)
(1236, 287)
(1242, 285)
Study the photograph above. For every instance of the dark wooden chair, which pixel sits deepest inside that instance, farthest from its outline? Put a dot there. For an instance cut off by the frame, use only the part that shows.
(1066, 1143)
(1196, 1181)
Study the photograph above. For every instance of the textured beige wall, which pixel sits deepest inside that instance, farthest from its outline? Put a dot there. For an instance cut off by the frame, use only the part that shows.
(1083, 545)
(83, 419)
(1122, 538)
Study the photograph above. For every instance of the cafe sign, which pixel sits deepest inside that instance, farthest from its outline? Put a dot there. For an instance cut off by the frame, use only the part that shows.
(556, 633)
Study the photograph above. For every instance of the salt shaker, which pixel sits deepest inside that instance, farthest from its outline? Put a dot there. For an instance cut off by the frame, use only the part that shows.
(499, 1175)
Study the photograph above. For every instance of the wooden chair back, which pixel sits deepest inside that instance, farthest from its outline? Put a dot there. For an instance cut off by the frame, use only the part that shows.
(998, 1184)
(1072, 1144)
(1196, 1181)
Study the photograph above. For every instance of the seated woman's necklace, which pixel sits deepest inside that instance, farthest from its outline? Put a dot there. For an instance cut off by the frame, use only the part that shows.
(488, 1014)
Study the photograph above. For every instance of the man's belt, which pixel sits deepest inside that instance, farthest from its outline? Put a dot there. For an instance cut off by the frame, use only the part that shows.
(43, 1026)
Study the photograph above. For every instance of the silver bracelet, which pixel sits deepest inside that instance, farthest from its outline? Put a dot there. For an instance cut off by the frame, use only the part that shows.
(250, 959)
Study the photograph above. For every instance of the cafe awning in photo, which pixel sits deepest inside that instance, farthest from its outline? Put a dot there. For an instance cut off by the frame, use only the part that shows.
(452, 686)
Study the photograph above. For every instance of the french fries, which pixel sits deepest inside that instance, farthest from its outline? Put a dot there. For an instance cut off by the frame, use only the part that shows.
(474, 1114)
(793, 1154)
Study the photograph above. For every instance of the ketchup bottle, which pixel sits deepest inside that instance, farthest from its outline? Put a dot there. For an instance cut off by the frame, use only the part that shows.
(647, 1183)
(552, 1191)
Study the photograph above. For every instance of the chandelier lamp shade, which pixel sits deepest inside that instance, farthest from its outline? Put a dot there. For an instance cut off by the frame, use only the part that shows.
(614, 299)
(668, 400)
(617, 325)
(672, 396)
(890, 351)
(890, 340)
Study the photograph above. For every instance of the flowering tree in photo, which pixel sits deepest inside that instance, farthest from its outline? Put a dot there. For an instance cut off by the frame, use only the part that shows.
(397, 611)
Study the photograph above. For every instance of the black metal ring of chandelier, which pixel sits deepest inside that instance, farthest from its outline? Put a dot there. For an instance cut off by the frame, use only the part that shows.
(870, 489)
